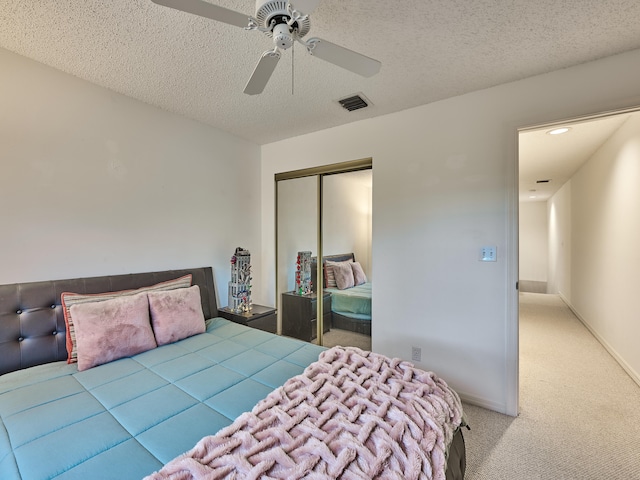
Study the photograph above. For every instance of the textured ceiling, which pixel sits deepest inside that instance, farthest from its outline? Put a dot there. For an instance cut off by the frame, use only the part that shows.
(429, 49)
(558, 157)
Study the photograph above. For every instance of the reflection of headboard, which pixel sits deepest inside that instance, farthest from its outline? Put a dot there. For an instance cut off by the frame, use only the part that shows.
(341, 257)
(32, 328)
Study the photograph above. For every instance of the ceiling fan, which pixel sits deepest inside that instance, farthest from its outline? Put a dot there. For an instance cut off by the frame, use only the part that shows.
(285, 21)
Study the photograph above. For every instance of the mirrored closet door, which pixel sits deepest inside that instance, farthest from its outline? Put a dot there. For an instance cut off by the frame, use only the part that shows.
(325, 213)
(346, 227)
(297, 236)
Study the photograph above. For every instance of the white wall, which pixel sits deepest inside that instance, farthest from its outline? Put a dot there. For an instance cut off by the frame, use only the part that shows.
(445, 184)
(605, 262)
(559, 266)
(94, 183)
(533, 241)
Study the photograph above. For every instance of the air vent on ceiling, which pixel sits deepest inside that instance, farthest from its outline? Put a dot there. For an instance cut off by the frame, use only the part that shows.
(543, 181)
(354, 102)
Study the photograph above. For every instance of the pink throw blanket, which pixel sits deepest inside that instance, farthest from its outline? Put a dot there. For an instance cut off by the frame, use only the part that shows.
(350, 415)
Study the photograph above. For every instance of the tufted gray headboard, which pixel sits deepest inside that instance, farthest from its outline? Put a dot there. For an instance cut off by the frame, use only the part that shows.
(32, 328)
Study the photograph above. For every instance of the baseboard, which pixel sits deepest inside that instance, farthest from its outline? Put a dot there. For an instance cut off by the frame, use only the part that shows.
(482, 402)
(532, 286)
(625, 366)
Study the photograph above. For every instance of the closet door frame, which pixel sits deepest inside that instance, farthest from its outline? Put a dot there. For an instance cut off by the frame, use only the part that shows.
(318, 172)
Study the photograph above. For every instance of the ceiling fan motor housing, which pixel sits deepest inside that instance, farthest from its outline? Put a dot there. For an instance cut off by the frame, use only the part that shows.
(276, 11)
(282, 37)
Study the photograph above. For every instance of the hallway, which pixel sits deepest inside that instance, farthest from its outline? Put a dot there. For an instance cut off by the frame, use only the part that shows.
(579, 410)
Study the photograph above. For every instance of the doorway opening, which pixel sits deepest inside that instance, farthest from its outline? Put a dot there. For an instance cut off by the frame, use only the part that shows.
(577, 218)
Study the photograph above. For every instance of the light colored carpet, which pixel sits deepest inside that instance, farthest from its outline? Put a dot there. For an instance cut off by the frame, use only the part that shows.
(345, 338)
(579, 411)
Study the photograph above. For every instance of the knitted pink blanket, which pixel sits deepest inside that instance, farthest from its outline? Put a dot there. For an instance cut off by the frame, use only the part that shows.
(350, 415)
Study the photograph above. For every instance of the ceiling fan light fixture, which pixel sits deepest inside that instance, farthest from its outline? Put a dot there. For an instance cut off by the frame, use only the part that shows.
(559, 131)
(282, 36)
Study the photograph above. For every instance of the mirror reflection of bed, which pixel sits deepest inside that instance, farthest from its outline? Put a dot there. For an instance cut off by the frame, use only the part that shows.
(350, 304)
(346, 237)
(340, 203)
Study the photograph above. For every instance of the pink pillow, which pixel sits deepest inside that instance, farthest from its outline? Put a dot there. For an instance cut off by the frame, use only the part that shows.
(344, 275)
(112, 329)
(329, 276)
(359, 276)
(176, 314)
(69, 299)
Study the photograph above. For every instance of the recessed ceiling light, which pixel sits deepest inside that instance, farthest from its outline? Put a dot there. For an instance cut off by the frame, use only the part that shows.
(558, 131)
(532, 196)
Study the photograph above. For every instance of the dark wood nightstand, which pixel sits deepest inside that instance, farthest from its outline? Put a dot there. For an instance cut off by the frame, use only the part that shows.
(299, 315)
(260, 317)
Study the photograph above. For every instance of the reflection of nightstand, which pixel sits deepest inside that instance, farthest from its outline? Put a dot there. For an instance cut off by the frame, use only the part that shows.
(299, 315)
(260, 317)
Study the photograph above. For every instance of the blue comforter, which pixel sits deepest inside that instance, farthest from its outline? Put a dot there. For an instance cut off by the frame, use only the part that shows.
(125, 419)
(352, 302)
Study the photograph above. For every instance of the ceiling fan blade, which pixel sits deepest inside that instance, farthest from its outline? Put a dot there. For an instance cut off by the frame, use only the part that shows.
(262, 73)
(305, 6)
(343, 57)
(208, 10)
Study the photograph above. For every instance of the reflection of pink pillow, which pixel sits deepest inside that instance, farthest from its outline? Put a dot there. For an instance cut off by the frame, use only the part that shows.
(344, 275)
(112, 329)
(358, 273)
(176, 314)
(329, 276)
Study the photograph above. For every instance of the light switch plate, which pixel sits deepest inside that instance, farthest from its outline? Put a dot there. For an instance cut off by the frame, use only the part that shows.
(488, 254)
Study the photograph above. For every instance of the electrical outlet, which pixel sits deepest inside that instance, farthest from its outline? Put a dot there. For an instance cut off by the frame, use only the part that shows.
(416, 354)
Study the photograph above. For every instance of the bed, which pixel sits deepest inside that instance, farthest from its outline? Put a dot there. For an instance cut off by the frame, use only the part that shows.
(350, 307)
(135, 416)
